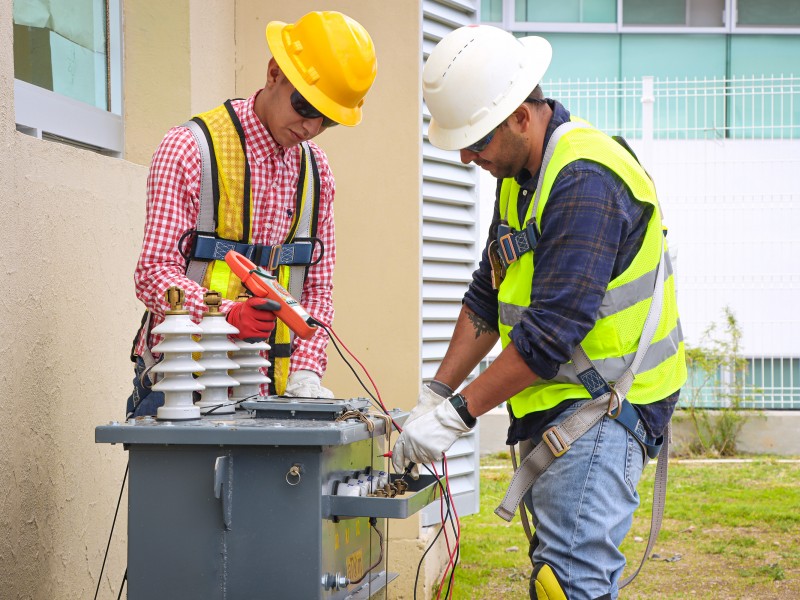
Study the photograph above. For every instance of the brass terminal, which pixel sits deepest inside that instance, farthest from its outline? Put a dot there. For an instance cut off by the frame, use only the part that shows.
(213, 300)
(175, 297)
(401, 486)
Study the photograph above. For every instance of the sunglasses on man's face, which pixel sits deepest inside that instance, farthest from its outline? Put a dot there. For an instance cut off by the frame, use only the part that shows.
(303, 108)
(481, 144)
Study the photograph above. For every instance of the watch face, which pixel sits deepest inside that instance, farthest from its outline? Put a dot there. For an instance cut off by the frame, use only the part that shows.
(457, 400)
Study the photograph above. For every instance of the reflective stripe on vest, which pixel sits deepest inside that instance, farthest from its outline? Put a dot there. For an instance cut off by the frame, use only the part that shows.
(613, 341)
(226, 208)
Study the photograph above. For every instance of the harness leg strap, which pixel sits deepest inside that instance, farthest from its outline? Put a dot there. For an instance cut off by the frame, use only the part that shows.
(555, 444)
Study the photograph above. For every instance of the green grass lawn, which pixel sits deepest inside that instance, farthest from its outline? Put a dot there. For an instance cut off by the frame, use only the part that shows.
(731, 530)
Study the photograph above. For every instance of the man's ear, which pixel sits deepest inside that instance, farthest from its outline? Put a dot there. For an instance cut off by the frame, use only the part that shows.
(274, 73)
(522, 118)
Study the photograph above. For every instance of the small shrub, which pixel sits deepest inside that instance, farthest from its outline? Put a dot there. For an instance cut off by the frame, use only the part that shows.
(718, 377)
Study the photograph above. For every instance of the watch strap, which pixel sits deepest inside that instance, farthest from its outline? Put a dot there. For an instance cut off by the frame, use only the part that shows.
(459, 402)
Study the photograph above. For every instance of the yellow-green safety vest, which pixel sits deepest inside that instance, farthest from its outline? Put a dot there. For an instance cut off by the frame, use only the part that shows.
(613, 341)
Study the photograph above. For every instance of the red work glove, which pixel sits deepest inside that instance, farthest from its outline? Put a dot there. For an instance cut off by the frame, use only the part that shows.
(255, 319)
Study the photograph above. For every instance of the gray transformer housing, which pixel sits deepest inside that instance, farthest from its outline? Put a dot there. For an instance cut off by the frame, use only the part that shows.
(244, 508)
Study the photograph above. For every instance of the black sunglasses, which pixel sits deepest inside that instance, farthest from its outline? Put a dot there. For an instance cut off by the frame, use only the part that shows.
(481, 144)
(303, 108)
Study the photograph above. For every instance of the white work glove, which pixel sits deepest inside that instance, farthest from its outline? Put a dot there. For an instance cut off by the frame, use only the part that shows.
(427, 438)
(306, 384)
(430, 396)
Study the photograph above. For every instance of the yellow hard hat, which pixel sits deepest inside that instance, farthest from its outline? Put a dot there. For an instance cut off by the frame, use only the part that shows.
(329, 58)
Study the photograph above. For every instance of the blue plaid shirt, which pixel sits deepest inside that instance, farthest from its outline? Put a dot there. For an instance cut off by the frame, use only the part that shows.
(591, 230)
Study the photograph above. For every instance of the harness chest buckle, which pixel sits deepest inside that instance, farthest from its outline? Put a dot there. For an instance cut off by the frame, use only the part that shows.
(274, 257)
(508, 249)
(498, 268)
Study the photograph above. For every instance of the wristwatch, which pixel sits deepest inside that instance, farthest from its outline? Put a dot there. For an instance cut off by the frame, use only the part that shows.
(460, 404)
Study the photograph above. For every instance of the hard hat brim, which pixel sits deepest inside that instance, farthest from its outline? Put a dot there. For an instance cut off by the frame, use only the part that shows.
(341, 114)
(539, 53)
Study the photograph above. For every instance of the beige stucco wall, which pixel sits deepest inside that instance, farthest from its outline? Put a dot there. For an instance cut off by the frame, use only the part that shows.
(71, 234)
(72, 222)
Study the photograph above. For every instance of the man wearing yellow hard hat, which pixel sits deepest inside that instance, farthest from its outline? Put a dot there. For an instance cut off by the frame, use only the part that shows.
(246, 176)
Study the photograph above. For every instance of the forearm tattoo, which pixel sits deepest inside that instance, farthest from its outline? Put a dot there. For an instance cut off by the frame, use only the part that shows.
(480, 325)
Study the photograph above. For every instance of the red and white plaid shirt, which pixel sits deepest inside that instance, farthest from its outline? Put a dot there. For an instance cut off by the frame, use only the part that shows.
(173, 204)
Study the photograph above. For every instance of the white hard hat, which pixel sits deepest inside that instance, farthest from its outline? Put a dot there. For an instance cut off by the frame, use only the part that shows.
(475, 77)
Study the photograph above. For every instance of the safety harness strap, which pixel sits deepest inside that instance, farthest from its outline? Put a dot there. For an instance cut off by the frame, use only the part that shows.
(513, 244)
(297, 274)
(556, 442)
(196, 270)
(659, 502)
(208, 247)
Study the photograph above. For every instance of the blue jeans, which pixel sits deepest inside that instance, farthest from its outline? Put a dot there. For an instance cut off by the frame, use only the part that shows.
(143, 400)
(582, 508)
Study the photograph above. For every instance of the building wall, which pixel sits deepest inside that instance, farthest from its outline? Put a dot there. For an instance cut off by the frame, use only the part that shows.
(72, 224)
(72, 230)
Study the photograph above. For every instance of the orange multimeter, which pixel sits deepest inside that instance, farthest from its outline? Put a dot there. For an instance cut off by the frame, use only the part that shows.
(262, 284)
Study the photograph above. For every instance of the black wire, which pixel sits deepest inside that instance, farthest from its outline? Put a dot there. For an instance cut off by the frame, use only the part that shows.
(447, 499)
(108, 545)
(457, 552)
(375, 402)
(373, 521)
(122, 585)
(238, 402)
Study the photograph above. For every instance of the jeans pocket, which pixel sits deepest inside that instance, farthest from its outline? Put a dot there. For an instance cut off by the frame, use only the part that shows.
(634, 462)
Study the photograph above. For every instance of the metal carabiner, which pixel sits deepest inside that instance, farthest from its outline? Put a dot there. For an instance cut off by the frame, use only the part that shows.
(614, 404)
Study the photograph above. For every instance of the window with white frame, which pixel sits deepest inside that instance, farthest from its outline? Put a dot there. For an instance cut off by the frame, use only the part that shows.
(680, 13)
(631, 16)
(67, 56)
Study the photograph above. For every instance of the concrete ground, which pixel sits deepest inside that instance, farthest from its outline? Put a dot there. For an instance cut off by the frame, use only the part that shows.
(767, 432)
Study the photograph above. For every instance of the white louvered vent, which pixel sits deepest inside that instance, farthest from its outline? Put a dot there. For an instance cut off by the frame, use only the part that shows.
(449, 254)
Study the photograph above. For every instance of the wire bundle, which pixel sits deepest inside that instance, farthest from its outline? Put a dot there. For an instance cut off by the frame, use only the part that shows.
(447, 508)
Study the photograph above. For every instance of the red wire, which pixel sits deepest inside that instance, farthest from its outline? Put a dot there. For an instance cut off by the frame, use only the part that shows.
(455, 517)
(441, 510)
(363, 368)
(355, 358)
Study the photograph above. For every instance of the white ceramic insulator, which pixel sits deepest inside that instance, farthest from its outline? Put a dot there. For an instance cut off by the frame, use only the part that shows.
(216, 362)
(350, 489)
(177, 368)
(249, 375)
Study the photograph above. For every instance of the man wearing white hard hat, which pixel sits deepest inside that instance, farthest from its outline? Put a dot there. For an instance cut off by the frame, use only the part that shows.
(576, 284)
